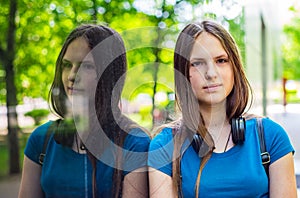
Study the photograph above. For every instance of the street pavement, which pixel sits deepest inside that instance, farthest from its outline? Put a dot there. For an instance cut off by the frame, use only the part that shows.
(9, 187)
(289, 118)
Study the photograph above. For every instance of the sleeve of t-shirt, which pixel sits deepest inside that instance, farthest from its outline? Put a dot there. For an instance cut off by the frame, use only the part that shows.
(136, 147)
(277, 141)
(161, 151)
(35, 142)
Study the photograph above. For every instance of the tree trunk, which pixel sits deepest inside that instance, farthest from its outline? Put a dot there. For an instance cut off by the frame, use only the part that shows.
(155, 76)
(11, 97)
(13, 128)
(156, 52)
(94, 16)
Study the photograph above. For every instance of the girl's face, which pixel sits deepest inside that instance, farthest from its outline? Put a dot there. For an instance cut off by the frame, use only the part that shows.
(211, 73)
(78, 69)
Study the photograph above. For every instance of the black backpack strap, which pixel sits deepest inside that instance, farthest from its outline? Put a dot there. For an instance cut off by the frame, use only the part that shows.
(47, 137)
(265, 156)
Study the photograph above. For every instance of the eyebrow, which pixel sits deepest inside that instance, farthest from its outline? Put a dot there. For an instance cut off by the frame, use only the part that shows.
(221, 56)
(65, 60)
(216, 57)
(84, 61)
(197, 59)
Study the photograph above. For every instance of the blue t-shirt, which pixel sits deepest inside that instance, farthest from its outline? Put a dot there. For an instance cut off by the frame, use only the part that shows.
(237, 172)
(66, 173)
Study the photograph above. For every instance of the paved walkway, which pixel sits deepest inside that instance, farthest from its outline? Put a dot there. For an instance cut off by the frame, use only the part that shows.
(9, 187)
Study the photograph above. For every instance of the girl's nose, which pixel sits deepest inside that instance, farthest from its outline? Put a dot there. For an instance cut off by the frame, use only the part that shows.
(211, 71)
(73, 74)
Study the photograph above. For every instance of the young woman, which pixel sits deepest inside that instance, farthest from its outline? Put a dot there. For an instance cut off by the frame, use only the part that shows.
(93, 150)
(213, 151)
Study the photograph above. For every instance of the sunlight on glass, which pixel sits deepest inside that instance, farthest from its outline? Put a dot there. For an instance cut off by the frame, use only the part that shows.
(162, 25)
(291, 85)
(44, 51)
(52, 6)
(126, 5)
(25, 83)
(160, 97)
(158, 13)
(231, 9)
(148, 7)
(298, 93)
(166, 14)
(184, 11)
(101, 10)
(170, 2)
(52, 23)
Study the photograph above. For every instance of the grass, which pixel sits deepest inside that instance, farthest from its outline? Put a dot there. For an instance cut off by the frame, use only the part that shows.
(291, 98)
(4, 154)
(4, 160)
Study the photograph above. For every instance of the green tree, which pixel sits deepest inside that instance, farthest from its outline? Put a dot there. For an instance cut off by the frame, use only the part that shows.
(42, 26)
(291, 48)
(35, 32)
(7, 56)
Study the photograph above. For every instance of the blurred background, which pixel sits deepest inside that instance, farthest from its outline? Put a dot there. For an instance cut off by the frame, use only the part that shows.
(33, 31)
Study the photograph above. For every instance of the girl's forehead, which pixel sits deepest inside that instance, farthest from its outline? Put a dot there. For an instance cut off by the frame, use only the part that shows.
(77, 50)
(207, 46)
(77, 53)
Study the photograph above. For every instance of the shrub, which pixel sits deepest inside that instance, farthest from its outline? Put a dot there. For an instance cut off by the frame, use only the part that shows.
(38, 115)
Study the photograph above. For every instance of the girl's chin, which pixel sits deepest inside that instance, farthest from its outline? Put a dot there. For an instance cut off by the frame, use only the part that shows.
(212, 100)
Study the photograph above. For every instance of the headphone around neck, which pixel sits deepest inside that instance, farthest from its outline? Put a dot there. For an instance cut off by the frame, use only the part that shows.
(238, 127)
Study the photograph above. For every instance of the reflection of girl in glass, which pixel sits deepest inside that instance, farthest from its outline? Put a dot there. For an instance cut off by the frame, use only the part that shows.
(91, 64)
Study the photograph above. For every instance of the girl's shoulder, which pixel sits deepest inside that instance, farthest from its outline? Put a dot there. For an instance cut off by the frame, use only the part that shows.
(36, 140)
(38, 136)
(276, 138)
(138, 132)
(268, 124)
(166, 132)
(41, 130)
(162, 138)
(137, 140)
(169, 129)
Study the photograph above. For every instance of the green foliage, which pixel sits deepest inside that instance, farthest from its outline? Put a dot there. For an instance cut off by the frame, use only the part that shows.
(4, 148)
(4, 160)
(38, 115)
(291, 48)
(42, 26)
(4, 12)
(237, 29)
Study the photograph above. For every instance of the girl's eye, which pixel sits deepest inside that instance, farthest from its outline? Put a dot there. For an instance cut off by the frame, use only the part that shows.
(88, 66)
(197, 63)
(66, 65)
(222, 60)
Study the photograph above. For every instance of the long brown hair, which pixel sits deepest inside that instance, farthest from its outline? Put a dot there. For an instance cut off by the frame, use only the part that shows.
(111, 66)
(192, 121)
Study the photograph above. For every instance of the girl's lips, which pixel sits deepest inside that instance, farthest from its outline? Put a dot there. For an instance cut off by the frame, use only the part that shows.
(70, 90)
(212, 88)
(73, 90)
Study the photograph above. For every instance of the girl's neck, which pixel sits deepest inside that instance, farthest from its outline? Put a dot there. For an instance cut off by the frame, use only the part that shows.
(217, 124)
(214, 115)
(77, 145)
